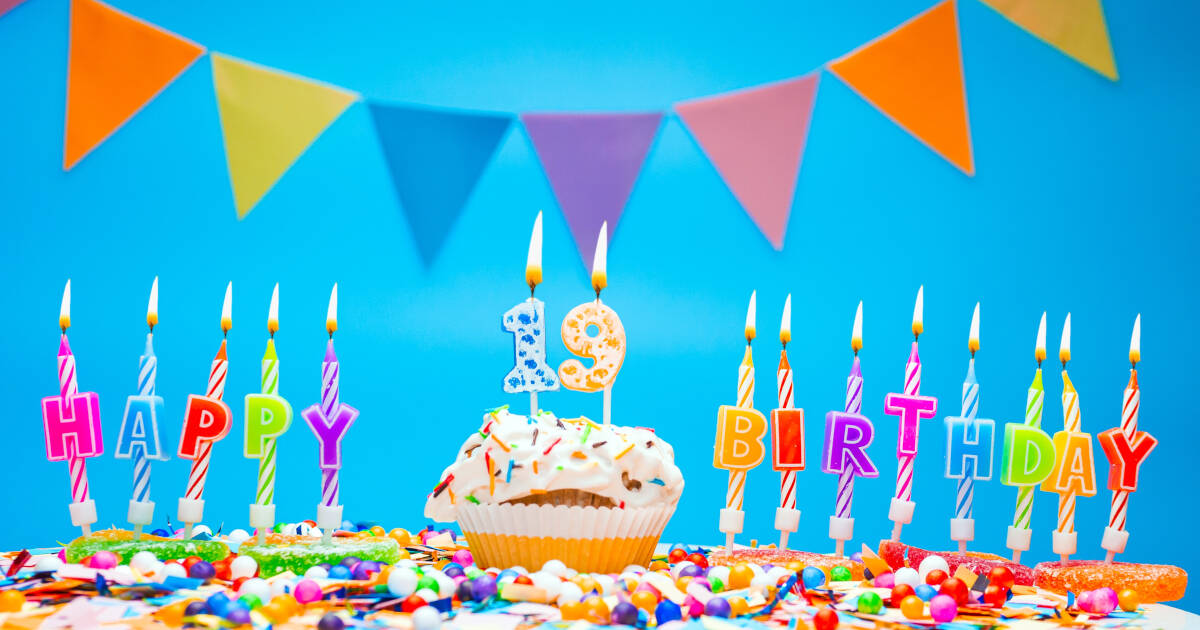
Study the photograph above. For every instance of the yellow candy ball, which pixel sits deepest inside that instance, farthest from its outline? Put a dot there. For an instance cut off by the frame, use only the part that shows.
(658, 565)
(644, 600)
(11, 601)
(682, 583)
(1128, 600)
(597, 610)
(572, 611)
(400, 535)
(795, 566)
(274, 612)
(286, 602)
(378, 531)
(912, 607)
(738, 606)
(585, 583)
(740, 576)
(404, 555)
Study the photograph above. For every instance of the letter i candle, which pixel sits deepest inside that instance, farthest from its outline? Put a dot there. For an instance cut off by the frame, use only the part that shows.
(138, 439)
(911, 407)
(206, 421)
(527, 323)
(969, 442)
(268, 416)
(1126, 449)
(787, 436)
(847, 435)
(72, 425)
(329, 421)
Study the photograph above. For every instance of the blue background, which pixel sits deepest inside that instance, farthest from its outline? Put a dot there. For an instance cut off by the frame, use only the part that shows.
(1084, 202)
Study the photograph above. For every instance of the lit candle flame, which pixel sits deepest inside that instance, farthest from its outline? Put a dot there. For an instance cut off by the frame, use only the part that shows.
(750, 316)
(1064, 345)
(1039, 350)
(918, 324)
(973, 339)
(533, 264)
(1135, 341)
(331, 315)
(785, 323)
(273, 312)
(600, 261)
(152, 306)
(856, 343)
(227, 309)
(64, 310)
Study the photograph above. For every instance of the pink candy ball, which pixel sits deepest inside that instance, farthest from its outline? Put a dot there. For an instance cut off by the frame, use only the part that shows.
(104, 560)
(1084, 601)
(463, 557)
(943, 608)
(887, 580)
(307, 591)
(1104, 601)
(693, 607)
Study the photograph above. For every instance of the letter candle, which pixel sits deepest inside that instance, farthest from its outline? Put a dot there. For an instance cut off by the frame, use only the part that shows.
(911, 406)
(207, 420)
(1126, 449)
(72, 425)
(969, 443)
(1019, 442)
(787, 440)
(138, 439)
(268, 416)
(527, 323)
(329, 421)
(1074, 471)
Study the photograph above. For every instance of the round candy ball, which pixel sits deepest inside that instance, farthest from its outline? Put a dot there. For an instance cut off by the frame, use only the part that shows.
(840, 574)
(943, 608)
(677, 555)
(1001, 576)
(238, 536)
(250, 601)
(870, 603)
(307, 591)
(257, 587)
(1104, 600)
(317, 573)
(350, 561)
(692, 570)
(218, 603)
(1128, 599)
(957, 589)
(402, 582)
(901, 591)
(330, 621)
(426, 618)
(340, 572)
(11, 600)
(104, 560)
(912, 607)
(49, 563)
(718, 607)
(994, 595)
(243, 566)
(825, 619)
(666, 611)
(143, 561)
(887, 580)
(239, 616)
(569, 592)
(907, 575)
(936, 577)
(699, 560)
(925, 592)
(174, 569)
(195, 608)
(364, 570)
(812, 577)
(931, 563)
(484, 587)
(202, 570)
(624, 613)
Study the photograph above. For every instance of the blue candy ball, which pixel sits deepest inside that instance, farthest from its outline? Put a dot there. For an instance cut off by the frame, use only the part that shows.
(691, 570)
(465, 591)
(507, 573)
(195, 608)
(350, 561)
(667, 610)
(202, 570)
(718, 607)
(856, 556)
(340, 572)
(331, 622)
(238, 615)
(452, 570)
(812, 577)
(926, 592)
(483, 587)
(219, 604)
(162, 533)
(624, 613)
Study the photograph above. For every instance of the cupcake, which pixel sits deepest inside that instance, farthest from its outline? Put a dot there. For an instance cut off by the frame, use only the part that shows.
(527, 490)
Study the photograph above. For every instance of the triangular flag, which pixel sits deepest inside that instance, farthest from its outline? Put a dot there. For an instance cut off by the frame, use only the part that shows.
(592, 162)
(1074, 27)
(435, 158)
(269, 118)
(755, 139)
(8, 5)
(914, 76)
(116, 64)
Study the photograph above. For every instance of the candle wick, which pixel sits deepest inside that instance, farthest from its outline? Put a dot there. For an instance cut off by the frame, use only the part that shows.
(532, 286)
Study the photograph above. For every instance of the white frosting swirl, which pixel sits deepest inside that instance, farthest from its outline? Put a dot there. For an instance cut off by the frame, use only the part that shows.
(513, 456)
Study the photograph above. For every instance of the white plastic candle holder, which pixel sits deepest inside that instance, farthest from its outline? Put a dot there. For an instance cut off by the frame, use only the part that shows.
(731, 524)
(1114, 542)
(962, 530)
(141, 513)
(262, 518)
(329, 518)
(191, 511)
(841, 530)
(787, 520)
(83, 514)
(900, 512)
(1064, 543)
(1019, 539)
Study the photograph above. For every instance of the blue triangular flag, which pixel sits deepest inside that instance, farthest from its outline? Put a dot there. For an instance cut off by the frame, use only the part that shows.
(435, 156)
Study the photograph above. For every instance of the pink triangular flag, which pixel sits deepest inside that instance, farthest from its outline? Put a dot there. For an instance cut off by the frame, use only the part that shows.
(8, 5)
(755, 139)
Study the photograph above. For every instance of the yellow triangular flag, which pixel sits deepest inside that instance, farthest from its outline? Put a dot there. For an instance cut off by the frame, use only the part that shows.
(1074, 27)
(269, 118)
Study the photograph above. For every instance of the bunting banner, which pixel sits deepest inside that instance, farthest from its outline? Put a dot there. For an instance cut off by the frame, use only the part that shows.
(8, 5)
(914, 76)
(755, 139)
(117, 63)
(592, 162)
(1075, 27)
(268, 118)
(435, 157)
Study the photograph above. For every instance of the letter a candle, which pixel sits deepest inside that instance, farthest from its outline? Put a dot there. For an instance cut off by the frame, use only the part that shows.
(72, 423)
(1126, 449)
(329, 421)
(268, 416)
(787, 437)
(739, 444)
(206, 421)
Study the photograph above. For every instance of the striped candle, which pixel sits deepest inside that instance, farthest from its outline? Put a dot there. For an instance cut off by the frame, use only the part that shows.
(1034, 399)
(1129, 426)
(912, 387)
(1071, 424)
(736, 489)
(147, 375)
(68, 386)
(215, 389)
(970, 407)
(787, 478)
(330, 402)
(845, 490)
(266, 464)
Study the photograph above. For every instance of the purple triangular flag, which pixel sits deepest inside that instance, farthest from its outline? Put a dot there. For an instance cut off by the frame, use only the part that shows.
(592, 162)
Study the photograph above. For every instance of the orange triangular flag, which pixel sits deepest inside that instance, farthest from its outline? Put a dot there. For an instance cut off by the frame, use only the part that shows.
(914, 76)
(1074, 27)
(117, 63)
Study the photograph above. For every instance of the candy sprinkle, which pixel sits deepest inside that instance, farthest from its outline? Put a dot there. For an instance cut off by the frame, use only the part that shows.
(502, 444)
(623, 452)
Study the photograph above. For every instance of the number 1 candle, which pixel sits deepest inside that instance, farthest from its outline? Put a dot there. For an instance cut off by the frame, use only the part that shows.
(787, 438)
(527, 323)
(1028, 454)
(329, 421)
(268, 416)
(969, 442)
(1126, 449)
(72, 424)
(206, 421)
(138, 439)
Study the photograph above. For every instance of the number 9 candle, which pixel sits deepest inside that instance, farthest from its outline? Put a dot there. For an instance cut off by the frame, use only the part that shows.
(206, 421)
(606, 347)
(138, 439)
(787, 436)
(268, 416)
(969, 442)
(527, 323)
(1126, 449)
(739, 444)
(72, 424)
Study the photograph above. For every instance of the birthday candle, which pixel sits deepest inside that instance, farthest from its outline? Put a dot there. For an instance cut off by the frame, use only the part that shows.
(1129, 422)
(1034, 401)
(265, 494)
(912, 387)
(1071, 423)
(1020, 442)
(216, 391)
(737, 478)
(970, 409)
(854, 387)
(147, 375)
(787, 478)
(330, 400)
(527, 323)
(68, 386)
(969, 446)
